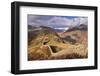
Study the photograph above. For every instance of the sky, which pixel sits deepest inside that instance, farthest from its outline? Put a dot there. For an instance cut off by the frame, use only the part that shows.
(56, 22)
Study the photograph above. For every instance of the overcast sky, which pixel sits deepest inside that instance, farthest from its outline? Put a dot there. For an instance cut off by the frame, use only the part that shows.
(56, 21)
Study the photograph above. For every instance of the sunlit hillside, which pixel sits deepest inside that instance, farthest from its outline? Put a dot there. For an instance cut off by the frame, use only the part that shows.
(44, 43)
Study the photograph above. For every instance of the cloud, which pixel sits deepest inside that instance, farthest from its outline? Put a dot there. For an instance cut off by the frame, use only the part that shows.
(60, 21)
(66, 22)
(57, 21)
(84, 20)
(38, 19)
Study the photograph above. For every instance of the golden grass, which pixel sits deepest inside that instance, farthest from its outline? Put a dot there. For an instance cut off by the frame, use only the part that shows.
(73, 52)
(38, 51)
(68, 52)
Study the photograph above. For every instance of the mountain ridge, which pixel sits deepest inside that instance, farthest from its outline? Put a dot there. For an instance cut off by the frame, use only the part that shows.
(65, 45)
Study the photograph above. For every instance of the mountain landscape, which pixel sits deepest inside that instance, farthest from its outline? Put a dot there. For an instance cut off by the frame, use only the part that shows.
(47, 43)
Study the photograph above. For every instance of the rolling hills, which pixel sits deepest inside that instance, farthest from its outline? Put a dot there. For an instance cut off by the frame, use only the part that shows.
(44, 43)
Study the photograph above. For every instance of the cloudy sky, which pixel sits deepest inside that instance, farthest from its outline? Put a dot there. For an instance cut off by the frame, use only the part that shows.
(57, 22)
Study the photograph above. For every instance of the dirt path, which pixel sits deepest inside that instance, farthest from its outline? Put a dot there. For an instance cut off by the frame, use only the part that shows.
(51, 51)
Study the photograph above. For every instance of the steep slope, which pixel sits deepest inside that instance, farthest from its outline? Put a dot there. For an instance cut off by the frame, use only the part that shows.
(45, 43)
(39, 37)
(43, 33)
(76, 35)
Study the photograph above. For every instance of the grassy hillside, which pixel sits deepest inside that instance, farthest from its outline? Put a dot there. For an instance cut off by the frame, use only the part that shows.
(44, 43)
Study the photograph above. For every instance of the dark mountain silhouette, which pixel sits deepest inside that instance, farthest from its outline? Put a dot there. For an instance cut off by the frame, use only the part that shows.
(59, 30)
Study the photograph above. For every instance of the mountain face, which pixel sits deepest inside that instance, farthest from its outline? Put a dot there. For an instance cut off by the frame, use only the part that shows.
(39, 38)
(45, 43)
(76, 34)
(82, 27)
(43, 33)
